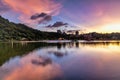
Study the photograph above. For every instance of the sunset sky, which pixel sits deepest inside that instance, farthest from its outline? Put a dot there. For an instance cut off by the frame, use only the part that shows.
(86, 15)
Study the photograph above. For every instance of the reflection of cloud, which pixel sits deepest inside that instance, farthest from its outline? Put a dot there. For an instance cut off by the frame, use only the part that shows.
(42, 61)
(57, 53)
(31, 72)
(24, 69)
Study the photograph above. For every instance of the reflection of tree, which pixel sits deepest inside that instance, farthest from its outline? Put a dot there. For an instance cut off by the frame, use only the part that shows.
(8, 50)
(42, 61)
(64, 45)
(59, 45)
(77, 44)
(99, 43)
(68, 44)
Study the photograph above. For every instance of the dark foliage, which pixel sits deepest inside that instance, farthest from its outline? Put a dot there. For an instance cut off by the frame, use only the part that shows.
(11, 31)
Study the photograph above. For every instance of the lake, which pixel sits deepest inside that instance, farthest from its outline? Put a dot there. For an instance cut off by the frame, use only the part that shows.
(54, 60)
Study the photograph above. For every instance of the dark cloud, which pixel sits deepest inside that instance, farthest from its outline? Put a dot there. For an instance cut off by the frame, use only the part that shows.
(42, 17)
(45, 19)
(36, 16)
(48, 18)
(57, 24)
(3, 7)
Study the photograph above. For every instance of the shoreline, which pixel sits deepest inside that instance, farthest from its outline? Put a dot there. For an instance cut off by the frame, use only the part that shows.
(59, 41)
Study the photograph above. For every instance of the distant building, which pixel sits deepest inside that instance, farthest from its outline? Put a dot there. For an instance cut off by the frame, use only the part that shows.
(59, 31)
(77, 33)
(61, 39)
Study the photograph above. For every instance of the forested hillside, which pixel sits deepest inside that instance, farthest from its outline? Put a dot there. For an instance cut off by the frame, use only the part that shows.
(11, 31)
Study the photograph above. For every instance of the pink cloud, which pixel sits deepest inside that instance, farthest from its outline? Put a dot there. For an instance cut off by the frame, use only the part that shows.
(31, 72)
(27, 8)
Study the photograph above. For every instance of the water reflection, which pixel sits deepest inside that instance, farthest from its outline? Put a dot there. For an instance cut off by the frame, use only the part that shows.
(42, 61)
(58, 54)
(31, 67)
(60, 61)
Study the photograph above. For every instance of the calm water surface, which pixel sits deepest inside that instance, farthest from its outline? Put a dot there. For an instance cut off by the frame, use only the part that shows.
(60, 61)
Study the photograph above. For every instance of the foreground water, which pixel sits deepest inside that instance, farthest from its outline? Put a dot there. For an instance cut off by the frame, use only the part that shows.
(60, 61)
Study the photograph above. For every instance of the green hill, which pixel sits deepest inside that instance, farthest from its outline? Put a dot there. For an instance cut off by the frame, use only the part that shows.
(11, 31)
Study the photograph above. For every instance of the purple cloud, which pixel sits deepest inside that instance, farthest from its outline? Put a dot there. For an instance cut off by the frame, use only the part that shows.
(57, 24)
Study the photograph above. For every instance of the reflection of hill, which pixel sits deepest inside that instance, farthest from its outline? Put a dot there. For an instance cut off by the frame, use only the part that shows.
(8, 50)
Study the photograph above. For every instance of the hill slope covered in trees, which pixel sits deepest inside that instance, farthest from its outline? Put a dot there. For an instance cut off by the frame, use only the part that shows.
(12, 31)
